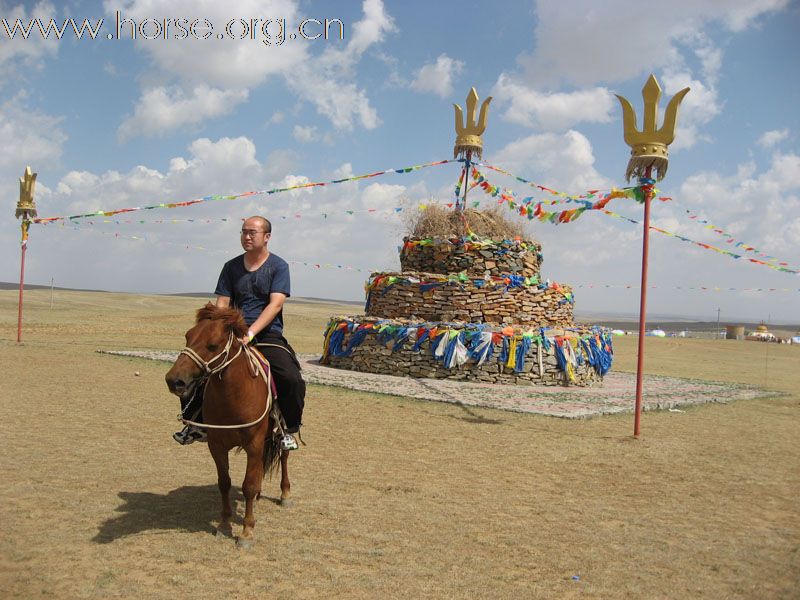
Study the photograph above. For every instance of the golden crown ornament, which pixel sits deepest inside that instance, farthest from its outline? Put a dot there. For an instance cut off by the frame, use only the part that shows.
(469, 132)
(649, 147)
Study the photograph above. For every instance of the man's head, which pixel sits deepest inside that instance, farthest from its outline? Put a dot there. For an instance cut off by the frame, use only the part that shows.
(255, 233)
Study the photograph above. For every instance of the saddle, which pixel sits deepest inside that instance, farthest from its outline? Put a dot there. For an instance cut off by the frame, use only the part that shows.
(277, 417)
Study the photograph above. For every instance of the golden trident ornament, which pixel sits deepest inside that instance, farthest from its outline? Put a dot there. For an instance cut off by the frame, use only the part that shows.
(468, 134)
(649, 153)
(26, 207)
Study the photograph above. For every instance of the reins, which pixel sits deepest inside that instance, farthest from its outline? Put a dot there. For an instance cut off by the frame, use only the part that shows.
(255, 369)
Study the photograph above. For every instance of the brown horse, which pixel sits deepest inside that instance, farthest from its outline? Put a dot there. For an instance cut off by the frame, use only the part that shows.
(236, 407)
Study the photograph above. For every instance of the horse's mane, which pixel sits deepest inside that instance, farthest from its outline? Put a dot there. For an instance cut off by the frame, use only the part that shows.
(230, 317)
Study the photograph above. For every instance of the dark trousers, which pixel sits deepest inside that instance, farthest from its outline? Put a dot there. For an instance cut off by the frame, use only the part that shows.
(288, 380)
(286, 373)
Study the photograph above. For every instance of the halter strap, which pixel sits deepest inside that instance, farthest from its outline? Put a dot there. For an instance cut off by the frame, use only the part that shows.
(254, 366)
(206, 365)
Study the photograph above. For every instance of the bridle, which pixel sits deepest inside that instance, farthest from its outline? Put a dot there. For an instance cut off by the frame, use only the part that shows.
(255, 370)
(205, 365)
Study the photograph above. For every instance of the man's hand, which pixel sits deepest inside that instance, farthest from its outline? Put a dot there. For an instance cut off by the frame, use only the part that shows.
(247, 338)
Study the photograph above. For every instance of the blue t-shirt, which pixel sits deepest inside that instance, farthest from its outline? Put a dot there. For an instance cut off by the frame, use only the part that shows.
(249, 290)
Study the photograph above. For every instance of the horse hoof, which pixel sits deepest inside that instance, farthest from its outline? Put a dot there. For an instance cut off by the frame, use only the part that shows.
(244, 543)
(286, 503)
(223, 533)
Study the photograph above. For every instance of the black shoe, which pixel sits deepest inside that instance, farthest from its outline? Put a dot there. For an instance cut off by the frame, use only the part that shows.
(288, 442)
(189, 435)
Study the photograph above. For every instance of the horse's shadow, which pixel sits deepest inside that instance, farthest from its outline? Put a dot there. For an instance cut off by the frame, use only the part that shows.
(189, 508)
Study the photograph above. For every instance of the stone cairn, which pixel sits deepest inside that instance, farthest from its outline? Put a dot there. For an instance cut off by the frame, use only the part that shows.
(472, 310)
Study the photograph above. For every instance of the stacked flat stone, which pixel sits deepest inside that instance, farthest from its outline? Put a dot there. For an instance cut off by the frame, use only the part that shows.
(479, 282)
(434, 297)
(445, 256)
(459, 285)
(371, 356)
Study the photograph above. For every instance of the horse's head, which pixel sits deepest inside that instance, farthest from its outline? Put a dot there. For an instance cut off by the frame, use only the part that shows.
(206, 345)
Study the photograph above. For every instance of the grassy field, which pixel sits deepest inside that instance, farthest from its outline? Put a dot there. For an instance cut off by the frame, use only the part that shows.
(393, 498)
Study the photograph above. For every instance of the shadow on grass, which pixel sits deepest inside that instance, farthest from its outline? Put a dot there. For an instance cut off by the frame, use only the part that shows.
(189, 508)
(470, 416)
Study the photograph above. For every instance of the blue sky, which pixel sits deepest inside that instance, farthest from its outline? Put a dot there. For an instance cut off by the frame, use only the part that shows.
(110, 124)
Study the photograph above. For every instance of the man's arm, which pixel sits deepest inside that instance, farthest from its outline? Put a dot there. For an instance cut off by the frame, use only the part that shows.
(223, 301)
(276, 300)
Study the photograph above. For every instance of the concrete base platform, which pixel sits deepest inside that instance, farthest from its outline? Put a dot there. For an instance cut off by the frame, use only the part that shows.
(615, 395)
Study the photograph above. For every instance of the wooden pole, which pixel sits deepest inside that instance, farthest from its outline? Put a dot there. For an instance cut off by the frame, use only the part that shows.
(22, 275)
(648, 196)
(26, 208)
(649, 156)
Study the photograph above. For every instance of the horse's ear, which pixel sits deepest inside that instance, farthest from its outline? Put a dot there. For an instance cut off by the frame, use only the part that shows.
(206, 312)
(238, 325)
(240, 329)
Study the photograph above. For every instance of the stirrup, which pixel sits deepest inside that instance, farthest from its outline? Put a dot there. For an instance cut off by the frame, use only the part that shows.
(189, 435)
(288, 442)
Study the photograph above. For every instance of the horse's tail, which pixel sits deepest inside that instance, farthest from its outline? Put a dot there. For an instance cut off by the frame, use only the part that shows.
(272, 454)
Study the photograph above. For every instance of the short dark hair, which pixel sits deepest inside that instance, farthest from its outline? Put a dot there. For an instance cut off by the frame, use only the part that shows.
(264, 223)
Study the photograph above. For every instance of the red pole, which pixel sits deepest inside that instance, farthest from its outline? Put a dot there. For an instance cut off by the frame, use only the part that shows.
(22, 276)
(648, 195)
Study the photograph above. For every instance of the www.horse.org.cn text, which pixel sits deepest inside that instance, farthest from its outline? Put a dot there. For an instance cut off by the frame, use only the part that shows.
(270, 32)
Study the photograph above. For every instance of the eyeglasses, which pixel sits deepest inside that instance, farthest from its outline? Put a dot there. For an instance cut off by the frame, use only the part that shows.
(251, 232)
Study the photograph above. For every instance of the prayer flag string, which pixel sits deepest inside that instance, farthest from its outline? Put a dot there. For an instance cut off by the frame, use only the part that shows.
(732, 240)
(110, 213)
(705, 246)
(527, 207)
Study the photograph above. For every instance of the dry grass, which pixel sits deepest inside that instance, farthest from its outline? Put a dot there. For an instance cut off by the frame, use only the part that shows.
(394, 498)
(442, 223)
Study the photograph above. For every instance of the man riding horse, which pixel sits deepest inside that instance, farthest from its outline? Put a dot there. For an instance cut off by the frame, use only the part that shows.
(257, 283)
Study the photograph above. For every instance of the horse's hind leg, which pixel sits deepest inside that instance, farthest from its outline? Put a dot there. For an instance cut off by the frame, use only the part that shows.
(250, 488)
(286, 487)
(220, 456)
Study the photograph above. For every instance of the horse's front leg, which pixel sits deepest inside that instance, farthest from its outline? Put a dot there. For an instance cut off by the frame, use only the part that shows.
(220, 455)
(286, 487)
(251, 488)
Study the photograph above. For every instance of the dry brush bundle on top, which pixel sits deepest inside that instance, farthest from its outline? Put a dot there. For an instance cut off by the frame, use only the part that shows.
(440, 222)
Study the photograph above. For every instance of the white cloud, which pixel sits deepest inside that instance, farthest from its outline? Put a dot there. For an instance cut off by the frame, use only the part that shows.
(772, 138)
(437, 78)
(392, 64)
(367, 32)
(161, 110)
(552, 111)
(196, 79)
(32, 137)
(23, 52)
(341, 103)
(305, 134)
(232, 67)
(763, 208)
(587, 42)
(333, 93)
(279, 163)
(561, 161)
(739, 15)
(226, 63)
(310, 225)
(697, 109)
